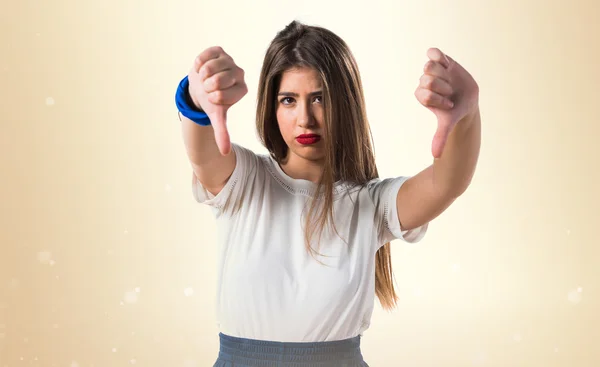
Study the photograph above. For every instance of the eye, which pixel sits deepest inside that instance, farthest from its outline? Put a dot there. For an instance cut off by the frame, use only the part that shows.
(319, 99)
(286, 100)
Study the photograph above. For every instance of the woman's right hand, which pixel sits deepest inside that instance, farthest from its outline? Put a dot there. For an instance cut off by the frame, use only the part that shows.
(216, 83)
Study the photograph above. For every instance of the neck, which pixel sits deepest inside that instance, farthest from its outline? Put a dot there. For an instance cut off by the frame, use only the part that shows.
(302, 169)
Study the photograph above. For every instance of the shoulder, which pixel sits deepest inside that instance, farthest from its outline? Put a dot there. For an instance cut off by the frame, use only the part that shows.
(383, 194)
(247, 169)
(244, 154)
(375, 190)
(249, 162)
(384, 189)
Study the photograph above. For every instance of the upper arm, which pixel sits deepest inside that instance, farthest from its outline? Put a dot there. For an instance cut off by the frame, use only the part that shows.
(214, 174)
(384, 194)
(418, 201)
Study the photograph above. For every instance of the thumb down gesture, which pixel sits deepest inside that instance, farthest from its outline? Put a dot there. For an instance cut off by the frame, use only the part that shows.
(449, 91)
(216, 84)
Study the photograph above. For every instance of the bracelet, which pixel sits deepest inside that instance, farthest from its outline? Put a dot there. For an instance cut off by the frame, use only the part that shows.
(186, 106)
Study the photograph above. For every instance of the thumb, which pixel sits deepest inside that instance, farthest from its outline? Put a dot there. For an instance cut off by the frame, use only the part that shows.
(439, 138)
(219, 122)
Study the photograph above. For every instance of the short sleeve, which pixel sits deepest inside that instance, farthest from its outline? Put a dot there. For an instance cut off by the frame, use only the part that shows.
(233, 191)
(384, 193)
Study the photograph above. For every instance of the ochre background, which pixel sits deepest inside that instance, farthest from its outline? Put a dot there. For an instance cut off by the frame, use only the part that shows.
(106, 260)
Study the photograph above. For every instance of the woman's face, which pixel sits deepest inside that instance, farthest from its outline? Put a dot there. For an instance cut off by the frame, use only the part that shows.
(300, 113)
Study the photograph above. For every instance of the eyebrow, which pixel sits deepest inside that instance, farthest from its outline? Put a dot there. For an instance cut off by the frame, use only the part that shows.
(291, 94)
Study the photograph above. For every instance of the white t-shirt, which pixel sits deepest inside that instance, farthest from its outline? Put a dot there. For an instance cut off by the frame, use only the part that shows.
(269, 286)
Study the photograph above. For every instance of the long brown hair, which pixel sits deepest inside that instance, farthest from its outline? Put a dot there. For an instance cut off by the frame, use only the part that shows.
(349, 153)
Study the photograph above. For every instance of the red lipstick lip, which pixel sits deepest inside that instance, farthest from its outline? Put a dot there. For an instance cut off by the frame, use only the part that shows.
(308, 139)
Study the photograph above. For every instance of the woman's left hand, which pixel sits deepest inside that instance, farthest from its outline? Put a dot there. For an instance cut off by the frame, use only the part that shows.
(450, 92)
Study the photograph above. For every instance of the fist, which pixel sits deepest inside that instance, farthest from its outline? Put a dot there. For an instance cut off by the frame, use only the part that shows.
(449, 91)
(216, 83)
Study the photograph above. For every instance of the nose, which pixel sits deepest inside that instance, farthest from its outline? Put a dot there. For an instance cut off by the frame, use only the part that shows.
(305, 116)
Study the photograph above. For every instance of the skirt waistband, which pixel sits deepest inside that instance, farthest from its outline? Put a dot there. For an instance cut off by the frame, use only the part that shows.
(259, 353)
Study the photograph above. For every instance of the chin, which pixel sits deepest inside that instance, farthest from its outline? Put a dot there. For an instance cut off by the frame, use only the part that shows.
(309, 152)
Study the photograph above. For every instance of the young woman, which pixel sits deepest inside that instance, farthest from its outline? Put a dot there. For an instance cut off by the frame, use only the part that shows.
(305, 230)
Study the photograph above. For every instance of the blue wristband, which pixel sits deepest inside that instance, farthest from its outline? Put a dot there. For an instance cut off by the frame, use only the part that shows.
(186, 106)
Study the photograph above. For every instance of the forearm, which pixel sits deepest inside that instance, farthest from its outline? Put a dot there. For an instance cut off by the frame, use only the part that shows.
(199, 142)
(210, 167)
(454, 170)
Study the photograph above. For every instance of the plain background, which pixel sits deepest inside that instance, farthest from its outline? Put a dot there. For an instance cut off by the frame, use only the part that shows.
(106, 260)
